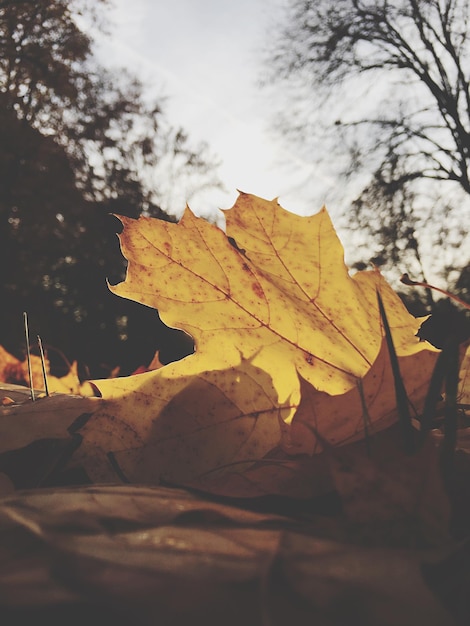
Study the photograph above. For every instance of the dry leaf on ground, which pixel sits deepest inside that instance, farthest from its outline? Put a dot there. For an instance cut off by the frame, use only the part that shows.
(279, 325)
(14, 371)
(166, 555)
(35, 437)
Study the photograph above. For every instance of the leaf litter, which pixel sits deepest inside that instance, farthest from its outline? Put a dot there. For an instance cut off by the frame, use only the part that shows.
(300, 503)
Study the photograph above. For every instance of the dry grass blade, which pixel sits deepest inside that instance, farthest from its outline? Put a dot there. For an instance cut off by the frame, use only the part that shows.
(408, 431)
(43, 366)
(28, 353)
(434, 394)
(451, 351)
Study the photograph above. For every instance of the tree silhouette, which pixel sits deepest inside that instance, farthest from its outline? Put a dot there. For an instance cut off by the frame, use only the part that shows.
(77, 143)
(390, 81)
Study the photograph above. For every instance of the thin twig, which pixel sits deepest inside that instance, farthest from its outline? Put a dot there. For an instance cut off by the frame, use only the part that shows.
(406, 280)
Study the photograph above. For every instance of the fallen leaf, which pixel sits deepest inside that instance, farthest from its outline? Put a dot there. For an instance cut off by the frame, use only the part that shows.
(14, 371)
(155, 363)
(70, 383)
(389, 497)
(8, 364)
(278, 323)
(25, 421)
(168, 556)
(37, 436)
(347, 416)
(206, 420)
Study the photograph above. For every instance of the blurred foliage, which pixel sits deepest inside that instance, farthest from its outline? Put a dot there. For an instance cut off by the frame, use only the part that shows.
(78, 143)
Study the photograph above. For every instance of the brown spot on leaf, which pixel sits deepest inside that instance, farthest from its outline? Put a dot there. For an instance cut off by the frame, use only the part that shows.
(257, 290)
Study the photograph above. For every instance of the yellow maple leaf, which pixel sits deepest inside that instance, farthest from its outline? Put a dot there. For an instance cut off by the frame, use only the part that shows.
(283, 334)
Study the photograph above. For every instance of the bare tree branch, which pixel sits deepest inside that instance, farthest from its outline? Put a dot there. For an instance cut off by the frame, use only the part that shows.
(420, 49)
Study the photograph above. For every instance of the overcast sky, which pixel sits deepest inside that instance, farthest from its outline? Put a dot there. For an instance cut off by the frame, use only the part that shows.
(205, 55)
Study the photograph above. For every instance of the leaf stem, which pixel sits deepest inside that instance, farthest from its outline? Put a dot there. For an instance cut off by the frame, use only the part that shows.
(406, 280)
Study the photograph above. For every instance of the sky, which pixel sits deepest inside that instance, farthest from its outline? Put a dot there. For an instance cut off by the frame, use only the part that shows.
(205, 56)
